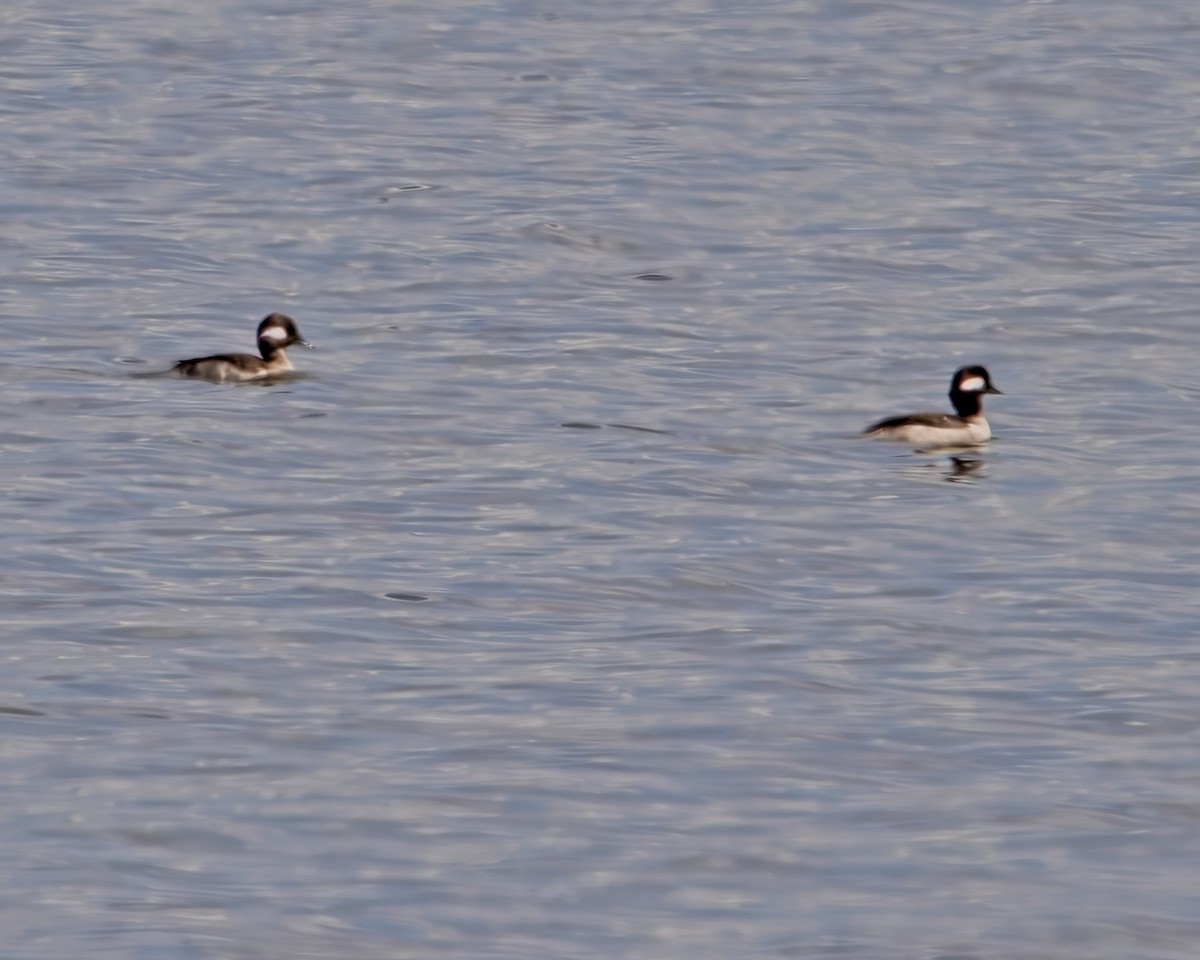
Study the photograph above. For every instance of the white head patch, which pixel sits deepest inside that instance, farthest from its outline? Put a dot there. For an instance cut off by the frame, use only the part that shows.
(278, 334)
(971, 384)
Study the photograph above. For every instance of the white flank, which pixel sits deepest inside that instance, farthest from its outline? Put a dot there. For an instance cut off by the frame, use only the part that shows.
(925, 437)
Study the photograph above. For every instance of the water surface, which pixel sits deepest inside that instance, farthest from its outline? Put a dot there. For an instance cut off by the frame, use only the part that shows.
(387, 662)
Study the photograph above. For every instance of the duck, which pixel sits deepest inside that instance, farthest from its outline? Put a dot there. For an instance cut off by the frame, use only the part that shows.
(275, 334)
(966, 427)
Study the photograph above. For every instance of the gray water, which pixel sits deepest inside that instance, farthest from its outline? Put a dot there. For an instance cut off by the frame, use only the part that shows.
(385, 661)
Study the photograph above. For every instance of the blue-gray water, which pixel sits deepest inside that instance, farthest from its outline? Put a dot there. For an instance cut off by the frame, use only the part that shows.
(385, 662)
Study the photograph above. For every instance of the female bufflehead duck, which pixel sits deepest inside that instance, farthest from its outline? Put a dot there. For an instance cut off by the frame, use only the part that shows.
(966, 427)
(275, 333)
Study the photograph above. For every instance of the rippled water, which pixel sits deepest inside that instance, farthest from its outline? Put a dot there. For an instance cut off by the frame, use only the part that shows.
(557, 611)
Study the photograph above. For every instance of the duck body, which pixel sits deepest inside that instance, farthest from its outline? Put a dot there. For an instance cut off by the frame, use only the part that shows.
(966, 427)
(275, 334)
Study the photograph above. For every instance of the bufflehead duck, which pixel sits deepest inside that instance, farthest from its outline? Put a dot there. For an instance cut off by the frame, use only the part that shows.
(966, 427)
(275, 333)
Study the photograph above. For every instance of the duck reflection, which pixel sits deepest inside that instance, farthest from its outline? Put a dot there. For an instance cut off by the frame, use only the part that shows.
(955, 468)
(961, 468)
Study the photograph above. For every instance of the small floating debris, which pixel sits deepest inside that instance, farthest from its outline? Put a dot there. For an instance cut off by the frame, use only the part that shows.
(403, 188)
(631, 426)
(585, 425)
(21, 712)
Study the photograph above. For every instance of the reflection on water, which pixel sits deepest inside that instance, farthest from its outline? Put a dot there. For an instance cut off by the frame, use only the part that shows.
(961, 468)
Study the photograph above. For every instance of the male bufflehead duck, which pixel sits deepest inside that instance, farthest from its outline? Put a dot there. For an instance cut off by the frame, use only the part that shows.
(966, 427)
(275, 333)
